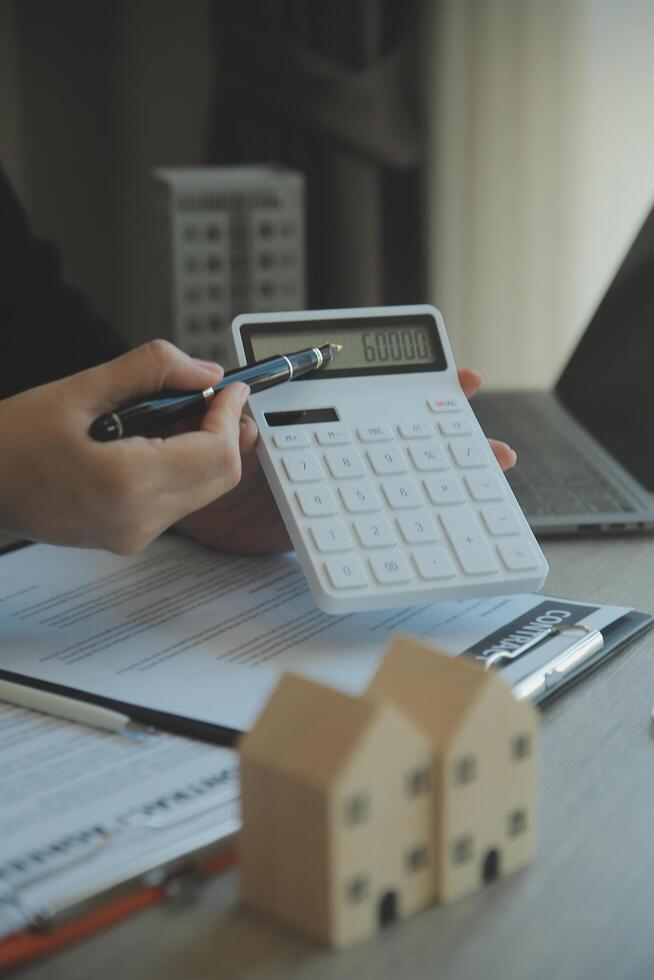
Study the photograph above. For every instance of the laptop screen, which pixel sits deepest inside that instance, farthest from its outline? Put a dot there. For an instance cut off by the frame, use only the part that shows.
(608, 382)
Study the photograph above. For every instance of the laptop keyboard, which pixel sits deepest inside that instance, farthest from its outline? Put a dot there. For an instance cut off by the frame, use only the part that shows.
(551, 476)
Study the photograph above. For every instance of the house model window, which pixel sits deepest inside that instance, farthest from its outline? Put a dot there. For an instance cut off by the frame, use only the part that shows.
(517, 822)
(462, 850)
(417, 858)
(417, 782)
(465, 769)
(356, 888)
(357, 808)
(520, 747)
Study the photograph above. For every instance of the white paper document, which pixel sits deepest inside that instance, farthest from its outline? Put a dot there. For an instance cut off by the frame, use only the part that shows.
(183, 630)
(81, 809)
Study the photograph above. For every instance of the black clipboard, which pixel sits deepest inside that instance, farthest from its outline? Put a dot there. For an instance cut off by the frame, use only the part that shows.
(617, 635)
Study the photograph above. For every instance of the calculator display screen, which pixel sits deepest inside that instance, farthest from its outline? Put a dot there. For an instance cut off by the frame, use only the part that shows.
(381, 345)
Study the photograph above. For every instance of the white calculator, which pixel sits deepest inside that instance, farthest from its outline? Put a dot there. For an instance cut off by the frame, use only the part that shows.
(384, 478)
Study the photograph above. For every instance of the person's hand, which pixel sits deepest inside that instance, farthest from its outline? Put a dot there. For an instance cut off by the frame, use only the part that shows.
(246, 520)
(471, 382)
(59, 486)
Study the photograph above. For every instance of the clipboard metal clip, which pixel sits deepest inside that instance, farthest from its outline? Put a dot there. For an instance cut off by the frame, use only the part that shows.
(548, 676)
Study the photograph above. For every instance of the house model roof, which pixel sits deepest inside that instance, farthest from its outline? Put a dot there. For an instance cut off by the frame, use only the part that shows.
(308, 730)
(434, 690)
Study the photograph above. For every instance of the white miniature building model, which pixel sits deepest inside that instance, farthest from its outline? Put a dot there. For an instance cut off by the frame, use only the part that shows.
(361, 810)
(228, 240)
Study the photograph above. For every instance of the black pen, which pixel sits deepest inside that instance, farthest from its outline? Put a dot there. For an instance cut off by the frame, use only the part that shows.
(143, 417)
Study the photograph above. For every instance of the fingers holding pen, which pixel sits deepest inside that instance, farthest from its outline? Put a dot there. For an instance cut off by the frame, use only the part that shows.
(208, 463)
(150, 483)
(208, 455)
(148, 368)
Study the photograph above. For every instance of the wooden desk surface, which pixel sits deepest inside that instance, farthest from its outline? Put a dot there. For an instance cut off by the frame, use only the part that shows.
(584, 910)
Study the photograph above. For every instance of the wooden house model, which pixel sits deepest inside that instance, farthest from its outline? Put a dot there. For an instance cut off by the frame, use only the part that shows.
(484, 772)
(358, 811)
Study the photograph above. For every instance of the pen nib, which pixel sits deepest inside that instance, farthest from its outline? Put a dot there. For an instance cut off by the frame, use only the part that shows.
(329, 351)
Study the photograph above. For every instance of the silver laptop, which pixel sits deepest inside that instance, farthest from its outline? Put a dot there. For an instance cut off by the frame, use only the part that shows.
(586, 449)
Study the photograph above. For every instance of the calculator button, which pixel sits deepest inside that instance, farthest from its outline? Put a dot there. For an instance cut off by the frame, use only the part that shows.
(455, 427)
(469, 453)
(345, 465)
(445, 404)
(433, 563)
(415, 430)
(374, 532)
(291, 440)
(316, 501)
(468, 541)
(428, 457)
(331, 536)
(346, 573)
(360, 498)
(302, 468)
(390, 569)
(402, 493)
(335, 435)
(517, 556)
(444, 490)
(417, 528)
(387, 460)
(375, 433)
(484, 486)
(500, 519)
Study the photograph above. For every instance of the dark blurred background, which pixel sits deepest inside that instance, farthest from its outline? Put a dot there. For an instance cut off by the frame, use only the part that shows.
(491, 156)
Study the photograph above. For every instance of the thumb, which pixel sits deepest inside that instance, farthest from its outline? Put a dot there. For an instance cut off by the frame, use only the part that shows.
(149, 368)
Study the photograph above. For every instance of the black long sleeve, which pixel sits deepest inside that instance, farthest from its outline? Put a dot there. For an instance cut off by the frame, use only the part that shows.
(48, 329)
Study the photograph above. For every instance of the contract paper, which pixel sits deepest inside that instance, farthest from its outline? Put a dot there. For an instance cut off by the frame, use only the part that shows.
(203, 636)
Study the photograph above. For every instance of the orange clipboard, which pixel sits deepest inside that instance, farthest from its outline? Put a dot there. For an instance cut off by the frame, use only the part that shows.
(29, 945)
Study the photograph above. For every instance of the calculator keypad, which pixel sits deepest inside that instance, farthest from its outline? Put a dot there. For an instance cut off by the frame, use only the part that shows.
(469, 453)
(413, 503)
(346, 573)
(360, 498)
(434, 563)
(390, 569)
(331, 536)
(335, 435)
(518, 556)
(302, 468)
(401, 494)
(386, 460)
(444, 490)
(428, 456)
(440, 405)
(374, 532)
(500, 519)
(455, 427)
(484, 486)
(468, 541)
(415, 430)
(317, 502)
(417, 528)
(375, 433)
(291, 440)
(345, 465)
